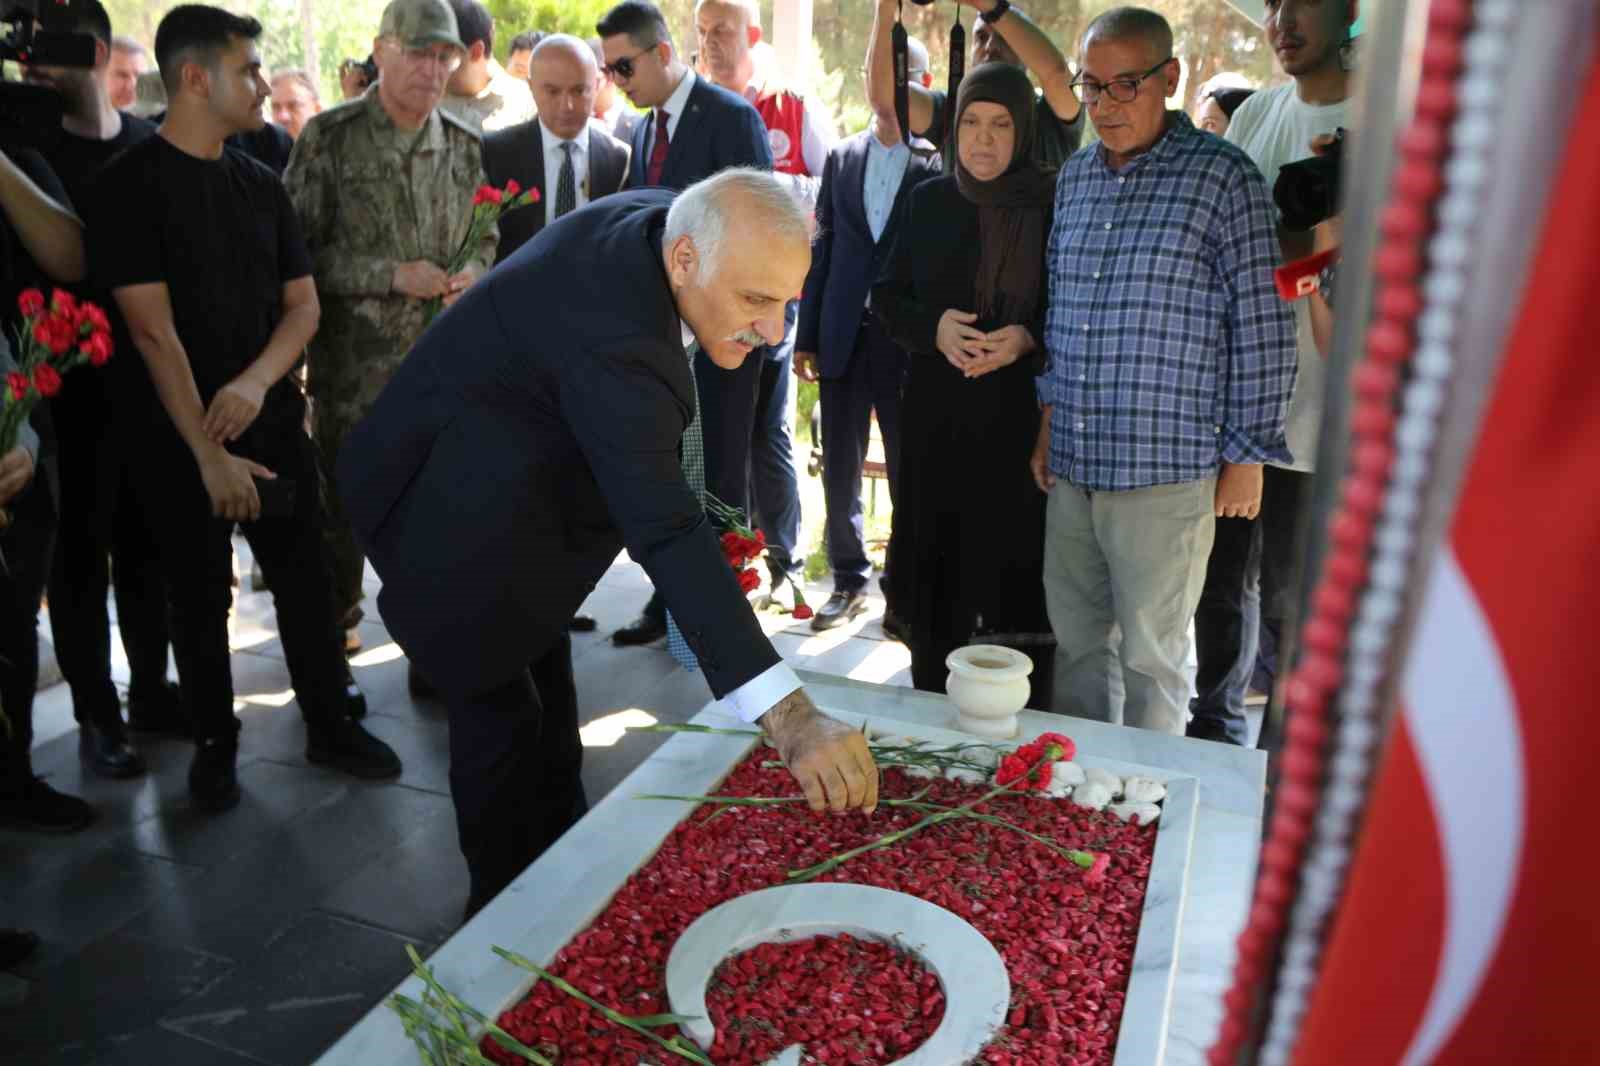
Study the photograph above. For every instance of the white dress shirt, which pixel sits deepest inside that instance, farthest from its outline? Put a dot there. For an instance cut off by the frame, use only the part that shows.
(761, 693)
(553, 158)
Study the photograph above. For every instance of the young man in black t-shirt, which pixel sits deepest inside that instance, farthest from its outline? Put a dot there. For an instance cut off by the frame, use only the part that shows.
(201, 249)
(99, 519)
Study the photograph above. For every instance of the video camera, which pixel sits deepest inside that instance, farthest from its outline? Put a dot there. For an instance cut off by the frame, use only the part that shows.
(1307, 192)
(36, 32)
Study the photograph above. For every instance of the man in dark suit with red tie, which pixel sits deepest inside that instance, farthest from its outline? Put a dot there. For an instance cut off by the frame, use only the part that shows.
(515, 453)
(568, 158)
(693, 130)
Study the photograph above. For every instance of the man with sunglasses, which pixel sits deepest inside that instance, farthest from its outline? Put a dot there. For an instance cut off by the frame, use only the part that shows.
(1171, 365)
(1001, 34)
(383, 186)
(694, 129)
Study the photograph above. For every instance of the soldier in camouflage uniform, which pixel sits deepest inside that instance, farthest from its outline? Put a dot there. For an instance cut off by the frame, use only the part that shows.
(383, 186)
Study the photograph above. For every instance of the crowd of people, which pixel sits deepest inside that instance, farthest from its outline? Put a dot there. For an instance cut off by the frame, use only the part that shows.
(1099, 417)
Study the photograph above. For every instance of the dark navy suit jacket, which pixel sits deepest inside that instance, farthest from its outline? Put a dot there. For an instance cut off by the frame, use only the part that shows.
(529, 436)
(845, 261)
(717, 130)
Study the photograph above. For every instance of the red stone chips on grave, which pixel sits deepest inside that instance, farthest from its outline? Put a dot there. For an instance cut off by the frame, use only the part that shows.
(1067, 940)
(847, 1000)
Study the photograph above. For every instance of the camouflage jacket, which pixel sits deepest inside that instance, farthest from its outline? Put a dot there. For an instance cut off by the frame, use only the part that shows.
(371, 196)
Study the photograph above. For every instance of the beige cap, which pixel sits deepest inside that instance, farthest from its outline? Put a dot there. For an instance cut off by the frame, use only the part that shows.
(417, 23)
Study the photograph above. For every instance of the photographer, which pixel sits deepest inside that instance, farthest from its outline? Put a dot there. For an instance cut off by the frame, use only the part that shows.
(101, 540)
(1252, 569)
(40, 240)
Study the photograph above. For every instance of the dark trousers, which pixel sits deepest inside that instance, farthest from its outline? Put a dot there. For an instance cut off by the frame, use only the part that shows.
(873, 381)
(101, 522)
(27, 545)
(197, 555)
(1250, 579)
(516, 764)
(748, 441)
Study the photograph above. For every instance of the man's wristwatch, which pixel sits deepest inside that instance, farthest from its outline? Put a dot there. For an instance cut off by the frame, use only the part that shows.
(995, 13)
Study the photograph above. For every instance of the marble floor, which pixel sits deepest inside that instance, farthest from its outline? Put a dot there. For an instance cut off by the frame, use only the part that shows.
(259, 935)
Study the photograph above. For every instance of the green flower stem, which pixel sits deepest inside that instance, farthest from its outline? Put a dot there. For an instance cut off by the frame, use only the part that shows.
(675, 1045)
(668, 727)
(458, 1043)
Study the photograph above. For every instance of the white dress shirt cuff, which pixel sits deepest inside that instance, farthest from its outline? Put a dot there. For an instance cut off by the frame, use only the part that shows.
(757, 696)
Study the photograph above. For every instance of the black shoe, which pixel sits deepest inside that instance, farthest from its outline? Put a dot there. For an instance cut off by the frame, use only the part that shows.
(895, 627)
(421, 688)
(344, 745)
(648, 628)
(106, 751)
(582, 623)
(1211, 729)
(44, 810)
(158, 712)
(355, 701)
(15, 946)
(213, 775)
(842, 606)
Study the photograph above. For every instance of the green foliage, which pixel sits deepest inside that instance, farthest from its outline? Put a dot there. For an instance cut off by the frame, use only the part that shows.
(512, 17)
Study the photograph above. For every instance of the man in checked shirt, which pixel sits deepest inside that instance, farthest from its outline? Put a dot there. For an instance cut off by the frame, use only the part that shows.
(1172, 361)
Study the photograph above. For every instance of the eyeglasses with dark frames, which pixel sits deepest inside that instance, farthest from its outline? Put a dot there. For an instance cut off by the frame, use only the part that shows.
(1122, 90)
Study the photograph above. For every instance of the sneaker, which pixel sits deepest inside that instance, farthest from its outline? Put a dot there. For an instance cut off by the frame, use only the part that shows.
(158, 712)
(213, 775)
(42, 809)
(343, 745)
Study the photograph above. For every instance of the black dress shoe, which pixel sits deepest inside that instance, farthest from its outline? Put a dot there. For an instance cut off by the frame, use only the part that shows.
(44, 810)
(106, 751)
(582, 623)
(158, 711)
(15, 946)
(646, 629)
(355, 701)
(1211, 729)
(842, 606)
(895, 627)
(344, 745)
(213, 775)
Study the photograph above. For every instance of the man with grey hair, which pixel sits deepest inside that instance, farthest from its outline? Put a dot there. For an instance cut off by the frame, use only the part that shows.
(558, 434)
(128, 61)
(1158, 409)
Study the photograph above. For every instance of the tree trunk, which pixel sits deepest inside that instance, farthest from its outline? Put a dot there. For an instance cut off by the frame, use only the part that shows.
(308, 39)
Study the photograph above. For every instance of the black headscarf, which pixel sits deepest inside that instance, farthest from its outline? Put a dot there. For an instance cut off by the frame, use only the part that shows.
(1013, 207)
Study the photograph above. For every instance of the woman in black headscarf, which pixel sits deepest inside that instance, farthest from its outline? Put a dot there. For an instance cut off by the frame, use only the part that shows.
(965, 294)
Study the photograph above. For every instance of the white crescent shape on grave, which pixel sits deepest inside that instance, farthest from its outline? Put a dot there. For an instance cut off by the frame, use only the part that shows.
(975, 1004)
(1463, 713)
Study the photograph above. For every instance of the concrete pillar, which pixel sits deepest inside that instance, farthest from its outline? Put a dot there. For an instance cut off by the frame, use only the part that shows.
(791, 42)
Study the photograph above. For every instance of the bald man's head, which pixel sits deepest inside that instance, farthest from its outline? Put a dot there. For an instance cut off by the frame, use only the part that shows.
(563, 76)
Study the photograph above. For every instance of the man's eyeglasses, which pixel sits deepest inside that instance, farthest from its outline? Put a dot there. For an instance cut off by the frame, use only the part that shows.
(624, 67)
(444, 56)
(1122, 90)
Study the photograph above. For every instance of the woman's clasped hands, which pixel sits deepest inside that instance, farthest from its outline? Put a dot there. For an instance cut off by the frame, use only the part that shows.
(976, 353)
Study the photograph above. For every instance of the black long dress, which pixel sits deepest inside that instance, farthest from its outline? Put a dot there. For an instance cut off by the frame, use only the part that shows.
(967, 547)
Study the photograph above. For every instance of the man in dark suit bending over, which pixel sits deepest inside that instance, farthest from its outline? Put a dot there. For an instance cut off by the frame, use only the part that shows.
(518, 450)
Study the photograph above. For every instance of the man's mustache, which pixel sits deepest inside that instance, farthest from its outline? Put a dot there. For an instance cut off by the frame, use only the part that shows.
(750, 337)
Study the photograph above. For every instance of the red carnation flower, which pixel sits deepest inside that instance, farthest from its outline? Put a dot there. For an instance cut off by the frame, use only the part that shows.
(63, 303)
(1097, 872)
(749, 580)
(733, 548)
(55, 333)
(512, 189)
(97, 349)
(30, 302)
(1012, 769)
(486, 194)
(17, 382)
(1068, 749)
(802, 612)
(47, 379)
(91, 320)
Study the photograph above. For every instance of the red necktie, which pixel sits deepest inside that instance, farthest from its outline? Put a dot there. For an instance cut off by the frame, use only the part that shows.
(658, 151)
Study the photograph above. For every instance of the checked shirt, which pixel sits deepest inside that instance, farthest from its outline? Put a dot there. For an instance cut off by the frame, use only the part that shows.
(1169, 348)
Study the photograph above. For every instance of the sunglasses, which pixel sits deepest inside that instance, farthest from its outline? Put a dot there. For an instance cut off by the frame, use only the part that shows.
(624, 68)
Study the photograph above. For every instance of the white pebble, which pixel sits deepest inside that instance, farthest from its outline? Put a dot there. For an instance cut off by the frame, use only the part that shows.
(920, 773)
(1137, 813)
(1143, 790)
(1111, 782)
(982, 755)
(964, 776)
(1067, 773)
(1093, 795)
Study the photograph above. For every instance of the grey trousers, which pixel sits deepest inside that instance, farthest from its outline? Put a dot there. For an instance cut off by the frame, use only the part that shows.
(1122, 577)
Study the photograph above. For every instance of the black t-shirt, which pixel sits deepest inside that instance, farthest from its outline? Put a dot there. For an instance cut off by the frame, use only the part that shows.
(78, 160)
(1054, 143)
(223, 237)
(271, 144)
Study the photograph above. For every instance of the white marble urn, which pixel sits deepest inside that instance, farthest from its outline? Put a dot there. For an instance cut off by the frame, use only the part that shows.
(989, 685)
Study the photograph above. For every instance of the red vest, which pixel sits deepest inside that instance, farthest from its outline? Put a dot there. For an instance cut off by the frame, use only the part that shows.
(785, 116)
